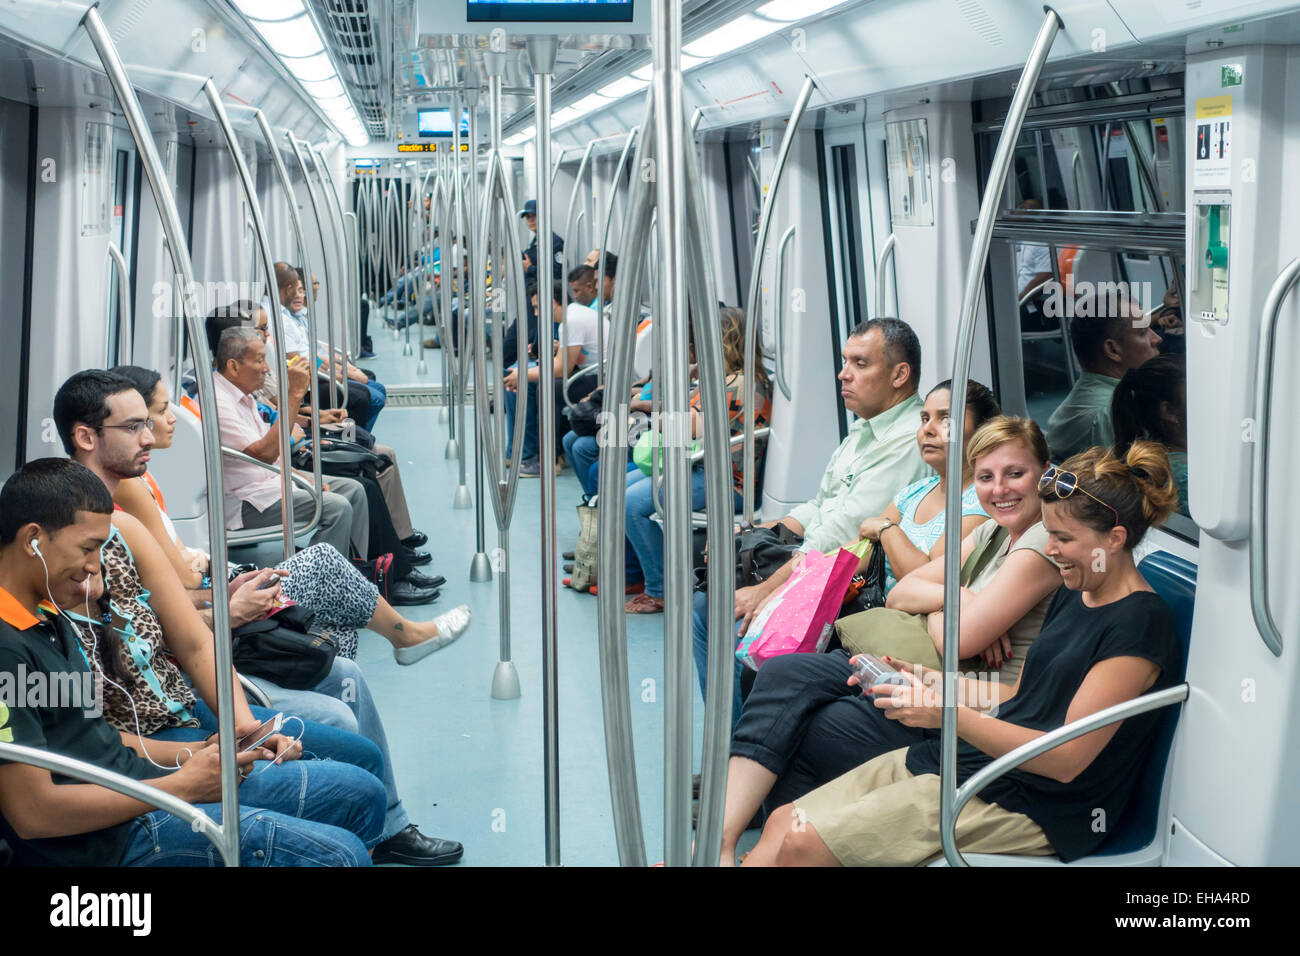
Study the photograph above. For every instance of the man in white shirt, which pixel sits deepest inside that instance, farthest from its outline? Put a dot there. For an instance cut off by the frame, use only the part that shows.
(253, 494)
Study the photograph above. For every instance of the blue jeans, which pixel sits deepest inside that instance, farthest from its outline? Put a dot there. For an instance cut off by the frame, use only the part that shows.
(702, 654)
(646, 536)
(530, 423)
(378, 399)
(329, 819)
(343, 700)
(582, 453)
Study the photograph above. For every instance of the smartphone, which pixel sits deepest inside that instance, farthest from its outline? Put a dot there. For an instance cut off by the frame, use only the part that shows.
(268, 728)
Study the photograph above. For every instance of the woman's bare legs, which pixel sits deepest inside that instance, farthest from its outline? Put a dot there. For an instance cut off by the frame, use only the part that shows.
(748, 782)
(397, 630)
(790, 840)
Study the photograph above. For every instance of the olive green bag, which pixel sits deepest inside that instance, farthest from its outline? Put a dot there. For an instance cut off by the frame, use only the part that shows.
(885, 631)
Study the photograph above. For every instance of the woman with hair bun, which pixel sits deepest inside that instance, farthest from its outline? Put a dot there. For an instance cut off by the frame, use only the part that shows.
(1107, 639)
(1150, 402)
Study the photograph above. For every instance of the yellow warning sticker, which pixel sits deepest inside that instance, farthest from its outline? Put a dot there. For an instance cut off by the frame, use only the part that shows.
(1212, 107)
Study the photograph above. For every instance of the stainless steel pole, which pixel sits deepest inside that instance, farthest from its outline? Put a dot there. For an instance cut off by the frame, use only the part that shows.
(956, 452)
(287, 414)
(347, 286)
(480, 566)
(426, 261)
(228, 841)
(460, 347)
(541, 54)
(604, 245)
(886, 257)
(335, 268)
(296, 146)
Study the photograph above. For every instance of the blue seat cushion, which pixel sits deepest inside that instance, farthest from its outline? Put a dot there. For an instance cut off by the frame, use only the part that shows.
(1174, 579)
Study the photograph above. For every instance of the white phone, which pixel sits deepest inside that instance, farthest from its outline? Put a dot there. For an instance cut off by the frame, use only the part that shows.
(267, 729)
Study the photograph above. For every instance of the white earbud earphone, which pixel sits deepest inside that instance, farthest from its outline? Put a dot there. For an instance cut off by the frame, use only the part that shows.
(36, 548)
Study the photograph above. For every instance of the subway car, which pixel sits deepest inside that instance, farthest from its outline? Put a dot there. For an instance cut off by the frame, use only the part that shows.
(683, 561)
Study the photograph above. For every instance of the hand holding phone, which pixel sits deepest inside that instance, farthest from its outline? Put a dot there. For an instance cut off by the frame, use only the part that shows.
(260, 734)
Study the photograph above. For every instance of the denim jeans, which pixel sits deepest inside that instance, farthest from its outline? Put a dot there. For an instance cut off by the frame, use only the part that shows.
(646, 536)
(530, 424)
(343, 700)
(582, 453)
(340, 810)
(378, 399)
(701, 648)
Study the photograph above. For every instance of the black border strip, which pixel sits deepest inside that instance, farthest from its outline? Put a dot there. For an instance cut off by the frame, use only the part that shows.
(731, 217)
(29, 262)
(828, 244)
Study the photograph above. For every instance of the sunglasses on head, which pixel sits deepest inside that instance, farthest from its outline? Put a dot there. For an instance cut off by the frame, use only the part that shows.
(1065, 483)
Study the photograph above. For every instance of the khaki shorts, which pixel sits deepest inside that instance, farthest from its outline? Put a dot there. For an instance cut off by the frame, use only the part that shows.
(879, 814)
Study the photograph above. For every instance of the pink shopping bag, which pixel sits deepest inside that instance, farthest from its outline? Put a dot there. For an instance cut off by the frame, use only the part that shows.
(801, 615)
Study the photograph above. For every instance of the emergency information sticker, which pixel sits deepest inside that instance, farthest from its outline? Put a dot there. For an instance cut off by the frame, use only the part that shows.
(1212, 163)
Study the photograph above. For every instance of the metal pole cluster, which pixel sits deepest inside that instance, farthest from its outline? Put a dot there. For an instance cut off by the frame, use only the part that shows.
(956, 454)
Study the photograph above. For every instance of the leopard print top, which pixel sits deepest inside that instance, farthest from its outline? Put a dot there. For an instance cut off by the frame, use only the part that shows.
(162, 697)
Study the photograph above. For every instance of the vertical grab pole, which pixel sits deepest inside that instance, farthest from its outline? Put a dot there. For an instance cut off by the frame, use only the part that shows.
(273, 300)
(228, 841)
(480, 567)
(287, 415)
(505, 678)
(335, 290)
(442, 294)
(349, 310)
(753, 305)
(541, 54)
(1259, 609)
(616, 706)
(960, 376)
(404, 250)
(570, 230)
(604, 243)
(124, 337)
(460, 500)
(320, 231)
(670, 196)
(425, 256)
(886, 257)
(448, 272)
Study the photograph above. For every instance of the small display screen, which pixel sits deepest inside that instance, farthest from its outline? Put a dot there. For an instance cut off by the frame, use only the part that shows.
(437, 122)
(550, 11)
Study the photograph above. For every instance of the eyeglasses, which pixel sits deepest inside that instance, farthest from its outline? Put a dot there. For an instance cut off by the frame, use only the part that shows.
(1065, 483)
(133, 427)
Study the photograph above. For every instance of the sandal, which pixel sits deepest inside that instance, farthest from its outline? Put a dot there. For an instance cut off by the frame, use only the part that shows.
(644, 604)
(636, 588)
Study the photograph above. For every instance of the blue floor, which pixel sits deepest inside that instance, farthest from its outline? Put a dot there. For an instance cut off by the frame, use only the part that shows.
(470, 767)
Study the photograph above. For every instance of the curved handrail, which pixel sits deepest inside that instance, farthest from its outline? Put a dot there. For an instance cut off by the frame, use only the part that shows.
(1052, 739)
(334, 209)
(604, 240)
(199, 821)
(571, 219)
(1258, 542)
(183, 267)
(284, 423)
(426, 243)
(297, 146)
(753, 311)
(461, 347)
(779, 310)
(243, 537)
(965, 340)
(886, 256)
(124, 339)
(273, 300)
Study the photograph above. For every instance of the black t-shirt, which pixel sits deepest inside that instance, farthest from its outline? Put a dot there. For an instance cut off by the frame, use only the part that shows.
(60, 722)
(1073, 639)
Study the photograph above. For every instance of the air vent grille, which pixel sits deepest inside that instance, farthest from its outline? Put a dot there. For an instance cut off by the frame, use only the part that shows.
(980, 21)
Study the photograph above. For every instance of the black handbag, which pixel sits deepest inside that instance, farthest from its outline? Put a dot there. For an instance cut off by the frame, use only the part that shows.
(284, 649)
(867, 590)
(584, 416)
(760, 553)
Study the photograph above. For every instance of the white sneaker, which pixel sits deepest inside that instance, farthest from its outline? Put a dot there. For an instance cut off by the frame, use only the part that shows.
(450, 626)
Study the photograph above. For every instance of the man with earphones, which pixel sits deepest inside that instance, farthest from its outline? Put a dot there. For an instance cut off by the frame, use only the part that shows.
(54, 518)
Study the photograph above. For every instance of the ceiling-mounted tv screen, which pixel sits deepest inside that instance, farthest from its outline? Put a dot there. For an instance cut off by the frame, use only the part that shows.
(550, 11)
(437, 122)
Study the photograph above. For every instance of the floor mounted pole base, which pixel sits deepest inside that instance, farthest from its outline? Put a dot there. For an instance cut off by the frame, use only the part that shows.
(453, 449)
(505, 681)
(422, 369)
(444, 415)
(480, 569)
(462, 500)
(406, 349)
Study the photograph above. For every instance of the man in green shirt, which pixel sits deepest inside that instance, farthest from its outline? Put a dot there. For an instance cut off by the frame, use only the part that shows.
(878, 382)
(1107, 346)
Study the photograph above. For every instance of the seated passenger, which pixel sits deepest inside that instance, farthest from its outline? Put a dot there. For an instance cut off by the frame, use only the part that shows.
(563, 365)
(344, 369)
(318, 578)
(882, 363)
(151, 601)
(1107, 639)
(646, 536)
(54, 518)
(1150, 404)
(917, 511)
(802, 726)
(1106, 346)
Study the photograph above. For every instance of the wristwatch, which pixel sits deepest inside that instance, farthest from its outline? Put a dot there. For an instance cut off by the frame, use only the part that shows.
(889, 523)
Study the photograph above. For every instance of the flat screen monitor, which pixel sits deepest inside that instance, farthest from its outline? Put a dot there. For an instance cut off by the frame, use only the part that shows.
(437, 122)
(550, 11)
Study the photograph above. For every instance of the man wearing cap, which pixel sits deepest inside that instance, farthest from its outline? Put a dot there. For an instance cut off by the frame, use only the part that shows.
(530, 254)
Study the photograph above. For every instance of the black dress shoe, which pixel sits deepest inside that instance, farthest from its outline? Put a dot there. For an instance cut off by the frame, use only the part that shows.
(415, 849)
(568, 555)
(418, 558)
(568, 569)
(406, 594)
(416, 540)
(424, 581)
